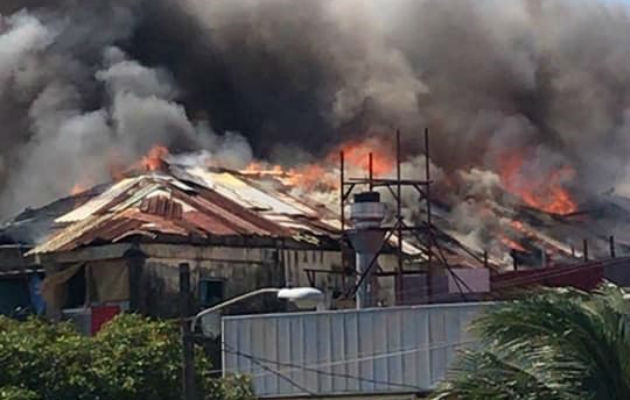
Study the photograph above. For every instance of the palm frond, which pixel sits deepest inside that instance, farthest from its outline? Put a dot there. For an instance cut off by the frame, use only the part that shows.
(554, 343)
(493, 374)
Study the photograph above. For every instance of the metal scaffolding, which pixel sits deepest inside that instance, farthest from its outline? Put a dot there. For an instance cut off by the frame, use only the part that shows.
(400, 228)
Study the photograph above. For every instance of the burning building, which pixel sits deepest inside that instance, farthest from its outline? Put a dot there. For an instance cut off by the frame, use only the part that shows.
(118, 244)
(529, 120)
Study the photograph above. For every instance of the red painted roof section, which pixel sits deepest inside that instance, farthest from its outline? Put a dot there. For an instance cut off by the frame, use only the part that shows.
(585, 276)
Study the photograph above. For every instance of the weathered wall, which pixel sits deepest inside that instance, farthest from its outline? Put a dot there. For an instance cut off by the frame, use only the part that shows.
(296, 261)
(104, 281)
(241, 270)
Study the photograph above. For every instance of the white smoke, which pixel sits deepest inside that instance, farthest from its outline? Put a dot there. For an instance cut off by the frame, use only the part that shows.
(22, 37)
(68, 145)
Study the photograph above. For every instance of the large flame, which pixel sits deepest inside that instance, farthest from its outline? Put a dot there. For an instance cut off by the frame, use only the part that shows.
(323, 175)
(545, 192)
(357, 153)
(308, 176)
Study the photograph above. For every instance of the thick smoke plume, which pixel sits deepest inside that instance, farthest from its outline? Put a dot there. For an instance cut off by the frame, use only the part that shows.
(88, 85)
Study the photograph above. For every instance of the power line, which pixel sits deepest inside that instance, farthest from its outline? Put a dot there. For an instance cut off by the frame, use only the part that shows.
(401, 351)
(321, 372)
(277, 373)
(310, 368)
(259, 360)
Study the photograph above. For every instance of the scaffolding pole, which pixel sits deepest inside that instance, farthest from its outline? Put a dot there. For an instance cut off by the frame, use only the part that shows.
(427, 175)
(394, 186)
(399, 222)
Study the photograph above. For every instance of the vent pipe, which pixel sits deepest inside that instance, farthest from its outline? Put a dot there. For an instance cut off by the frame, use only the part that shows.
(366, 214)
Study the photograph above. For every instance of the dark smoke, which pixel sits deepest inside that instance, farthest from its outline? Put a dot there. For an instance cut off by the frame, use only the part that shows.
(82, 82)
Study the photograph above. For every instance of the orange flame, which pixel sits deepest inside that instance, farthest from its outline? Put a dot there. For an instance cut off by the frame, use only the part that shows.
(152, 161)
(259, 168)
(322, 175)
(313, 176)
(309, 176)
(545, 193)
(356, 154)
(119, 168)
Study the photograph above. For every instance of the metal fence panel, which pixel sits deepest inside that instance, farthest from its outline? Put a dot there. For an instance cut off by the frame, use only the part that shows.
(397, 349)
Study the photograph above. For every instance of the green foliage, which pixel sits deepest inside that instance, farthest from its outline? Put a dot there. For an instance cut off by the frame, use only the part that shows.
(139, 358)
(131, 358)
(553, 344)
(49, 359)
(16, 393)
(233, 387)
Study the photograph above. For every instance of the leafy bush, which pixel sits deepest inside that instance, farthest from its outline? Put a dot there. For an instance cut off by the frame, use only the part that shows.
(16, 393)
(48, 359)
(139, 358)
(229, 388)
(131, 358)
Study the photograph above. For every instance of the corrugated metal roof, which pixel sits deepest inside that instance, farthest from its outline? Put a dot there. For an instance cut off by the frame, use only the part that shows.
(95, 204)
(153, 204)
(192, 202)
(245, 194)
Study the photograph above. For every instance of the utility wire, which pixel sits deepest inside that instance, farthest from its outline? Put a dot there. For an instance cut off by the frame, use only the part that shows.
(401, 351)
(273, 371)
(321, 372)
(355, 360)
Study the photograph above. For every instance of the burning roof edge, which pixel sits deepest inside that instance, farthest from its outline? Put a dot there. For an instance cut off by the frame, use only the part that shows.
(222, 194)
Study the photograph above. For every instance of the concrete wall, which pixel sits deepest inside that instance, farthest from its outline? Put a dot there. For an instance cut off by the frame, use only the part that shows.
(295, 261)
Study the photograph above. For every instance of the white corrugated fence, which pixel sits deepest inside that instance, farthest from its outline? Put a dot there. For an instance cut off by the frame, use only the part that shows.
(397, 349)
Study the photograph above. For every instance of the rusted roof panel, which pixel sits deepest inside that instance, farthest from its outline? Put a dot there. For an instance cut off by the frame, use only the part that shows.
(98, 202)
(190, 203)
(155, 204)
